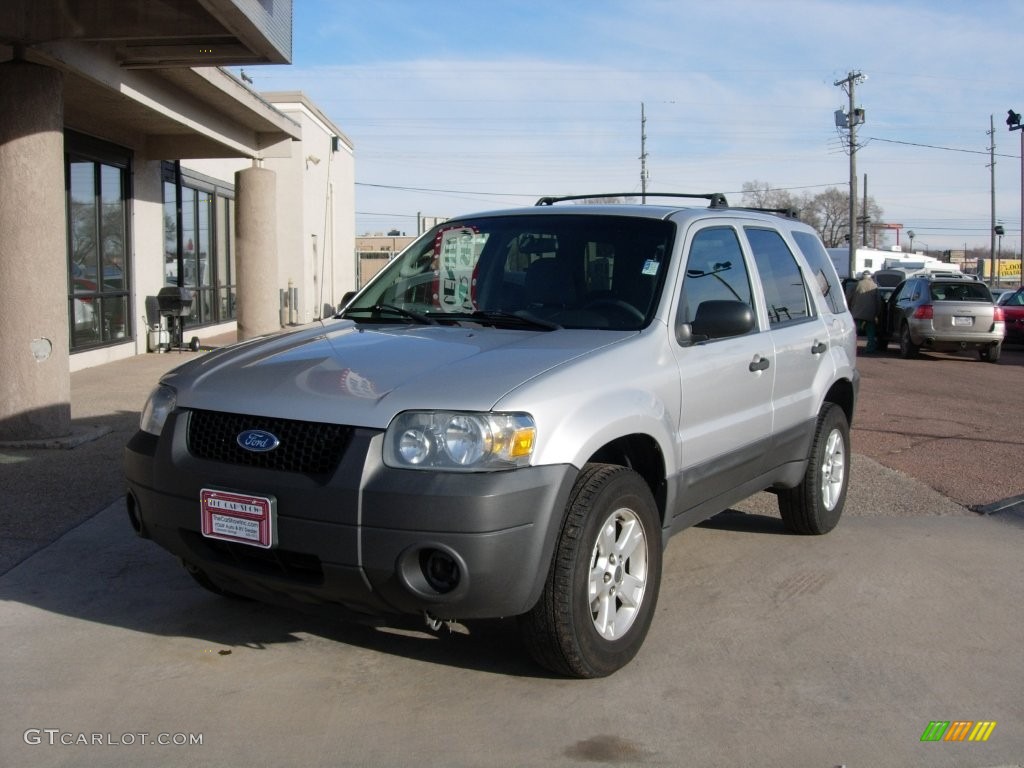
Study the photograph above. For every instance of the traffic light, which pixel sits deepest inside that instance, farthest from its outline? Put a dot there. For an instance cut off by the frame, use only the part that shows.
(1012, 119)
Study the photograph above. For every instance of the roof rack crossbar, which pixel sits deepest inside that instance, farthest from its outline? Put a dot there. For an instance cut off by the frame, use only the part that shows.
(716, 199)
(790, 213)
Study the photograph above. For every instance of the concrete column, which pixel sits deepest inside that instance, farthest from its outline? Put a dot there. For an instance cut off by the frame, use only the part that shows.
(256, 253)
(35, 378)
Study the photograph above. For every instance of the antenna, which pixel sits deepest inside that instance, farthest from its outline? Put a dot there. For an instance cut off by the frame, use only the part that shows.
(643, 155)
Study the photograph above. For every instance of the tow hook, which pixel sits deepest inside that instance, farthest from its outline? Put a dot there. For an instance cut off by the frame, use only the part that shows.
(434, 624)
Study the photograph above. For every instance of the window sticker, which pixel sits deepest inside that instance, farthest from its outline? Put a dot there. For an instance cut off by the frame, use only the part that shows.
(651, 267)
(457, 250)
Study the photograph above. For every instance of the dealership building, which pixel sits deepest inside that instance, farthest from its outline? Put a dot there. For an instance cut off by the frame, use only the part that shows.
(149, 197)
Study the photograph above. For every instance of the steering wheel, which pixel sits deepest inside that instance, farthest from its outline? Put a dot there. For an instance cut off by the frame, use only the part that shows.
(617, 304)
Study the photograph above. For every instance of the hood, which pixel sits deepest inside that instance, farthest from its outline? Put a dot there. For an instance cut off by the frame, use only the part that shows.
(344, 373)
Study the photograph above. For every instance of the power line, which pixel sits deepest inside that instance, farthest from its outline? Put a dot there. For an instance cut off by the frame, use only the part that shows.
(444, 191)
(945, 149)
(387, 215)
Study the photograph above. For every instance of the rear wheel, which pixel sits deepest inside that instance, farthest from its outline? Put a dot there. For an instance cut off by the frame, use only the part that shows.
(908, 348)
(815, 505)
(991, 353)
(599, 598)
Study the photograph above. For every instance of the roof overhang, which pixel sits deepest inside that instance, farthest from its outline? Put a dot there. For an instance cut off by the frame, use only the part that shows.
(159, 33)
(169, 113)
(147, 74)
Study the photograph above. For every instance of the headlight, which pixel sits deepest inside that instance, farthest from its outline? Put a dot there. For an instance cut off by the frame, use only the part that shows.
(453, 440)
(158, 407)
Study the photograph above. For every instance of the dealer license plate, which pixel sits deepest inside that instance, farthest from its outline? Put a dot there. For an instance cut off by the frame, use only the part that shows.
(239, 517)
(959, 320)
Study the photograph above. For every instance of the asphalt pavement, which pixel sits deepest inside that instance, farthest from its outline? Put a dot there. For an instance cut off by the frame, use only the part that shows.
(767, 649)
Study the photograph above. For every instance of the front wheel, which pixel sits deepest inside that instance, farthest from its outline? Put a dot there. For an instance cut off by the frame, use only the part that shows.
(601, 590)
(815, 505)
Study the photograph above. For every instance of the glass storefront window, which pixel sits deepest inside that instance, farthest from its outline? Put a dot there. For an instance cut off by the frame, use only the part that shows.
(98, 246)
(170, 234)
(206, 262)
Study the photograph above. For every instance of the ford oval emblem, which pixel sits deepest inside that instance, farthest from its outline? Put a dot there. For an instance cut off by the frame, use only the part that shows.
(257, 440)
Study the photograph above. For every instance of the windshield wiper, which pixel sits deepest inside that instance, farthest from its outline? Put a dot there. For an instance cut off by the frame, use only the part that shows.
(519, 317)
(409, 314)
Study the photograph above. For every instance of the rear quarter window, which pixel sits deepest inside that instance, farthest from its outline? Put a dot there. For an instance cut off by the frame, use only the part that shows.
(823, 271)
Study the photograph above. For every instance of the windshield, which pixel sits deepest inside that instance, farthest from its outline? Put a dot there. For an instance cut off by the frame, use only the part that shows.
(544, 272)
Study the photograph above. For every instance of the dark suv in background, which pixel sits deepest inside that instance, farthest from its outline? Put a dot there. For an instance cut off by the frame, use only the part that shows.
(943, 314)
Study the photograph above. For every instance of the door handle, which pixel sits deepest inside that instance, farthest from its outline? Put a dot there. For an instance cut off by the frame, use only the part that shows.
(819, 348)
(758, 364)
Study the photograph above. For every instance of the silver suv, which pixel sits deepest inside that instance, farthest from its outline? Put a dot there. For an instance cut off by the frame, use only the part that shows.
(947, 313)
(511, 419)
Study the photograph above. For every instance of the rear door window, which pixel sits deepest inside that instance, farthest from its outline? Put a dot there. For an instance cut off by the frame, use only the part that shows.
(784, 289)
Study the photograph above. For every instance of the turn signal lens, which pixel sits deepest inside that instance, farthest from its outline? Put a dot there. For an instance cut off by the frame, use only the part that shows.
(158, 407)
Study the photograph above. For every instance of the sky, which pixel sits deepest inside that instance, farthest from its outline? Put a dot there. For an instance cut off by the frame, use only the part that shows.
(459, 107)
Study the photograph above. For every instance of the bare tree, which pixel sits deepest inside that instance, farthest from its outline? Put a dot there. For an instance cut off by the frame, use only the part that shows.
(828, 212)
(759, 194)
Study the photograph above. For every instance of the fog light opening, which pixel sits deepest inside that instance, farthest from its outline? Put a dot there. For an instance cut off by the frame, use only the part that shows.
(440, 570)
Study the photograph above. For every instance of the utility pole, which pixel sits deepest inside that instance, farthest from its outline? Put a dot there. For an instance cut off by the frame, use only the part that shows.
(643, 155)
(864, 214)
(1014, 124)
(854, 117)
(992, 206)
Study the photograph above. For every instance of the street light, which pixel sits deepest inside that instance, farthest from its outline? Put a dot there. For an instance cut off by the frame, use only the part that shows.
(910, 234)
(1013, 122)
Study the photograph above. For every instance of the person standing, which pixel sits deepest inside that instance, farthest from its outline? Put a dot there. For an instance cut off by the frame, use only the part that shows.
(865, 306)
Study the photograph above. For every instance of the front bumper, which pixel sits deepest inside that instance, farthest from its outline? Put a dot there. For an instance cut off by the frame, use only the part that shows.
(363, 537)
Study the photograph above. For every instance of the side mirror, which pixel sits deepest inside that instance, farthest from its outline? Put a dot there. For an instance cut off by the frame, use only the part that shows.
(716, 319)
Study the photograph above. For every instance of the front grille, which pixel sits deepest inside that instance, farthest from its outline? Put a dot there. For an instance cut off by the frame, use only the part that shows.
(308, 447)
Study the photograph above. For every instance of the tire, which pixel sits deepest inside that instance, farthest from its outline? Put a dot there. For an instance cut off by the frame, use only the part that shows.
(602, 587)
(908, 348)
(816, 504)
(990, 354)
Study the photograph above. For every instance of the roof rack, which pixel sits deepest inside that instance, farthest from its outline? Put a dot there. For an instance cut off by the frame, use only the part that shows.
(716, 199)
(789, 213)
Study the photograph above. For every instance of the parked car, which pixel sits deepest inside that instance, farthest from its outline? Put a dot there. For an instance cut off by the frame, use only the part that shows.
(945, 314)
(998, 294)
(510, 419)
(1012, 305)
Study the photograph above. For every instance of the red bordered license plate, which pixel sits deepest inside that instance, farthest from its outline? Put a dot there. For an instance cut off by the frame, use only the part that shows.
(239, 517)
